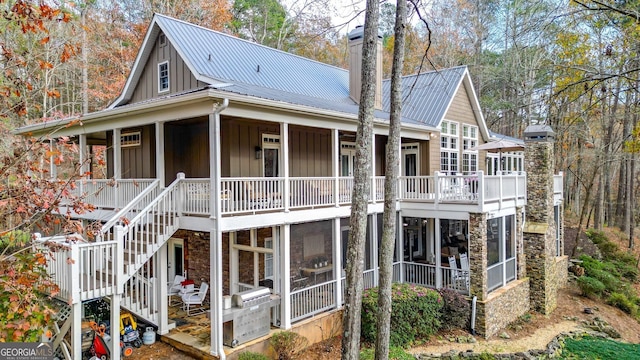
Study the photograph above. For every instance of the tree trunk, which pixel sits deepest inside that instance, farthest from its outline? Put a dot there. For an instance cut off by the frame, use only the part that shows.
(361, 187)
(383, 321)
(85, 63)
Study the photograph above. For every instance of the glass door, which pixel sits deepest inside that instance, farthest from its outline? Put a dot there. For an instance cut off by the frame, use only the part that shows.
(347, 158)
(175, 258)
(410, 166)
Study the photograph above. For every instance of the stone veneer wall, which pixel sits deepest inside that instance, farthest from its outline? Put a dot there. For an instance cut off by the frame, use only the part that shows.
(478, 254)
(539, 231)
(503, 306)
(521, 270)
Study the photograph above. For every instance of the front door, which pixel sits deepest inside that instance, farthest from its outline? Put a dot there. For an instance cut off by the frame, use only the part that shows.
(410, 167)
(347, 158)
(175, 260)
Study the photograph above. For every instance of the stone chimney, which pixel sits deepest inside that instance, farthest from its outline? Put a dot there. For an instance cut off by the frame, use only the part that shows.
(356, 37)
(543, 268)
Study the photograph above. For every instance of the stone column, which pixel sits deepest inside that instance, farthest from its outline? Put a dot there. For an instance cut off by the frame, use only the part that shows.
(539, 230)
(521, 270)
(478, 255)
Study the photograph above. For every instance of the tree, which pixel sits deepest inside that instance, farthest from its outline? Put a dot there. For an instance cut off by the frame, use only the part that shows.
(361, 187)
(383, 321)
(30, 201)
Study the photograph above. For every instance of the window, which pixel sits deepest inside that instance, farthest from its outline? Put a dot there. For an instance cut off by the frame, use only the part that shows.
(163, 76)
(469, 157)
(268, 259)
(162, 39)
(501, 251)
(130, 139)
(449, 147)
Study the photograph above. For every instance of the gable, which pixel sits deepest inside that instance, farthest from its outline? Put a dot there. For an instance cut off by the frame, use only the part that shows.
(460, 109)
(181, 78)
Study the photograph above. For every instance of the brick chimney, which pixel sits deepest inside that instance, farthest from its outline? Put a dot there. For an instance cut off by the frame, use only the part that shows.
(356, 37)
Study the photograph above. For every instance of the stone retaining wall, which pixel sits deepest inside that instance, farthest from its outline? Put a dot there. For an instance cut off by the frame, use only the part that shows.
(502, 307)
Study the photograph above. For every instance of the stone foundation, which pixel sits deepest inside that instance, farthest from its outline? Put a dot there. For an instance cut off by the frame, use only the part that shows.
(502, 307)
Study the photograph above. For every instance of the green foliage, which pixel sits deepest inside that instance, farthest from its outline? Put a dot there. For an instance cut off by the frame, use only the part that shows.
(288, 344)
(395, 353)
(595, 348)
(456, 310)
(622, 302)
(590, 287)
(252, 356)
(416, 313)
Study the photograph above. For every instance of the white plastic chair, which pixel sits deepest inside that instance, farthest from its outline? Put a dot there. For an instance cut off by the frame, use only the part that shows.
(174, 288)
(464, 265)
(195, 299)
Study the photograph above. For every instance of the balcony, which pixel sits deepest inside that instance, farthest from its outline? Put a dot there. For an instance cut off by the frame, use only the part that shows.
(478, 193)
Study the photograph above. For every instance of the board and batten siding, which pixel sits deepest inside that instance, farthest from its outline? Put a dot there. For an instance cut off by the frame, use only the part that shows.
(238, 141)
(180, 77)
(186, 148)
(310, 150)
(139, 161)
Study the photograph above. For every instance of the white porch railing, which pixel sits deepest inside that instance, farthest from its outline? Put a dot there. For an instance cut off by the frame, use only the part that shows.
(109, 193)
(313, 300)
(252, 194)
(456, 279)
(420, 274)
(312, 191)
(379, 194)
(557, 183)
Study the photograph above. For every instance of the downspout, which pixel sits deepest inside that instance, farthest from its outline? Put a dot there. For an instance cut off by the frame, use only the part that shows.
(216, 248)
(473, 315)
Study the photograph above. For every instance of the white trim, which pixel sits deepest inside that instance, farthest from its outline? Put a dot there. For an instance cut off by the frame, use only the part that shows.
(160, 77)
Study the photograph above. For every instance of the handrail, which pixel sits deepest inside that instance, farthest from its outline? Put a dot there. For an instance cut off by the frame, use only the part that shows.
(154, 202)
(120, 214)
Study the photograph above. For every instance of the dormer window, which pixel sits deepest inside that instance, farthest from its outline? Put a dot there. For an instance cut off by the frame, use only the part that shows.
(163, 76)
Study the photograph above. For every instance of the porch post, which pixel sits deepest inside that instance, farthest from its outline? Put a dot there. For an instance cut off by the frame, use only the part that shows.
(335, 138)
(285, 270)
(214, 167)
(215, 292)
(400, 245)
(233, 264)
(337, 260)
(162, 293)
(284, 133)
(478, 255)
(115, 327)
(117, 163)
(160, 153)
(117, 155)
(374, 249)
(76, 330)
(438, 250)
(53, 169)
(373, 170)
(82, 144)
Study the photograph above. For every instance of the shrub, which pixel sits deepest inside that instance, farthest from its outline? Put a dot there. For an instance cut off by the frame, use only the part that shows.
(395, 353)
(456, 310)
(623, 303)
(252, 356)
(596, 236)
(287, 344)
(609, 280)
(626, 270)
(590, 287)
(416, 313)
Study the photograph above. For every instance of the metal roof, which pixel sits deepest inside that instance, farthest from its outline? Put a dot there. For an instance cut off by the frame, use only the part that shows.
(229, 59)
(239, 66)
(426, 97)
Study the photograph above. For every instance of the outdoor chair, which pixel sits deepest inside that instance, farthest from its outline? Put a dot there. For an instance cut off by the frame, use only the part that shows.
(459, 278)
(194, 302)
(174, 289)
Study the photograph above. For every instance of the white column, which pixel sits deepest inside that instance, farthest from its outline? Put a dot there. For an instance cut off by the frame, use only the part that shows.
(438, 256)
(160, 153)
(163, 296)
(233, 264)
(215, 295)
(53, 169)
(374, 248)
(214, 165)
(115, 328)
(337, 260)
(285, 270)
(335, 156)
(84, 158)
(117, 155)
(400, 245)
(76, 330)
(284, 136)
(373, 168)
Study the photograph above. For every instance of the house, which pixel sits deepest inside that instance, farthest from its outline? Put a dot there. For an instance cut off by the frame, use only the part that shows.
(233, 167)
